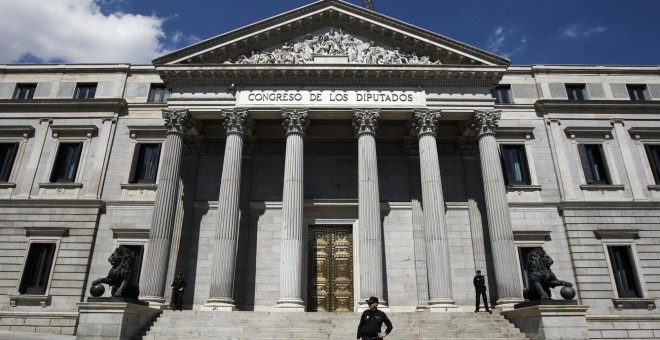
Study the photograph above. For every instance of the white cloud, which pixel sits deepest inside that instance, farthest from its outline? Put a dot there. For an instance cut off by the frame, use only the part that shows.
(578, 30)
(77, 31)
(506, 42)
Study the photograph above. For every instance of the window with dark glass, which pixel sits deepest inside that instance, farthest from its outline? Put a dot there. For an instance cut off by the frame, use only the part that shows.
(576, 92)
(145, 163)
(85, 91)
(502, 94)
(514, 160)
(25, 91)
(653, 153)
(66, 162)
(7, 157)
(636, 92)
(37, 269)
(158, 93)
(138, 252)
(594, 164)
(523, 252)
(625, 275)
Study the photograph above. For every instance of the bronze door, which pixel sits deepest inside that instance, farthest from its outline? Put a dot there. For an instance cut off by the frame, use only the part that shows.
(330, 283)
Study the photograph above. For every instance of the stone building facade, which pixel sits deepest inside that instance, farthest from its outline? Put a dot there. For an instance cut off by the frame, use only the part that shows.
(322, 156)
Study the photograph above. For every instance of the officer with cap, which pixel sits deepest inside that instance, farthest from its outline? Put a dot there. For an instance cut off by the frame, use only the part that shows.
(372, 321)
(177, 291)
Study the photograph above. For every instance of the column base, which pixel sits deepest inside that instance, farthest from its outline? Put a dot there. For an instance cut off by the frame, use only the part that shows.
(157, 302)
(289, 305)
(218, 305)
(443, 306)
(506, 304)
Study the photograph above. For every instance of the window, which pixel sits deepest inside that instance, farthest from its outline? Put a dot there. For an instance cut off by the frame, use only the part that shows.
(502, 94)
(636, 92)
(158, 93)
(25, 91)
(66, 162)
(623, 268)
(593, 164)
(7, 157)
(37, 269)
(523, 252)
(85, 91)
(653, 153)
(145, 163)
(514, 160)
(576, 92)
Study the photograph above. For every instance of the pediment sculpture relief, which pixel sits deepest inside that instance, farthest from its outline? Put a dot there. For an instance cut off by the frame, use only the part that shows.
(333, 43)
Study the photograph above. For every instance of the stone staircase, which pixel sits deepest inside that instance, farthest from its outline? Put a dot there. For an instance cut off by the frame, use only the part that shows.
(263, 325)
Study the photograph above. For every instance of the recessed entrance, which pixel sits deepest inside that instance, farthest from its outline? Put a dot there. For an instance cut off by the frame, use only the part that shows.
(330, 286)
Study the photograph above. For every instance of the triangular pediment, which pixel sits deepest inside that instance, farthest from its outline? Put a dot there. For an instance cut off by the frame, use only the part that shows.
(331, 32)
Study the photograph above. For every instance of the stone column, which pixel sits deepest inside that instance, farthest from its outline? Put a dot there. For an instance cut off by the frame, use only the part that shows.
(292, 244)
(365, 123)
(177, 123)
(226, 234)
(437, 245)
(499, 220)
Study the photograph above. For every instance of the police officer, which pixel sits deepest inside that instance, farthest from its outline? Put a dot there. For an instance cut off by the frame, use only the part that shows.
(480, 289)
(371, 322)
(177, 291)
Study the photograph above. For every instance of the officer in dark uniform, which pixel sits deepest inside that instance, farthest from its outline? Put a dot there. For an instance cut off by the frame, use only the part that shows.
(177, 291)
(480, 290)
(371, 322)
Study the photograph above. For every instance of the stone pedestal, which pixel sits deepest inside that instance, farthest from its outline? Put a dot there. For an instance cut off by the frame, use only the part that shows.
(551, 321)
(113, 320)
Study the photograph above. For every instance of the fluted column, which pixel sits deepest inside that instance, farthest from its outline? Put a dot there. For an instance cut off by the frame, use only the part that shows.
(162, 221)
(226, 234)
(437, 246)
(497, 208)
(365, 123)
(292, 242)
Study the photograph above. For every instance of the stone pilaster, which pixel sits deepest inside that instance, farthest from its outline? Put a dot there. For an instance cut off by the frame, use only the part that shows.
(437, 245)
(226, 233)
(177, 123)
(499, 220)
(292, 244)
(365, 123)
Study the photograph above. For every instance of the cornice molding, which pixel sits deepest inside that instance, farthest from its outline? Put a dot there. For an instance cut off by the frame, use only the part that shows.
(63, 105)
(51, 203)
(621, 107)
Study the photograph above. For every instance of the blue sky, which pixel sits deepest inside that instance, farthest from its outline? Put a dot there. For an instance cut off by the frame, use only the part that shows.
(620, 32)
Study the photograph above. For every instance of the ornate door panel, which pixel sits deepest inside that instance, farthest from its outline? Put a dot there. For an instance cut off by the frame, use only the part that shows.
(330, 269)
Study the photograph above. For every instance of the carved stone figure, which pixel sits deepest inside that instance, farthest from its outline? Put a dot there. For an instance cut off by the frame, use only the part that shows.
(333, 42)
(121, 273)
(541, 278)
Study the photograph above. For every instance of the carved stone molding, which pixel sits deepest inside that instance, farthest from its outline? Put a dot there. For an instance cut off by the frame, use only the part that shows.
(236, 122)
(425, 122)
(365, 121)
(177, 120)
(485, 121)
(295, 121)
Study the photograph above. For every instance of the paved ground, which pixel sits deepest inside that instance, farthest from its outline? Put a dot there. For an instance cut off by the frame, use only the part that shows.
(6, 335)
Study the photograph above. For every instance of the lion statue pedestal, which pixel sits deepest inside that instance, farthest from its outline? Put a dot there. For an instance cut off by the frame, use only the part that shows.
(120, 316)
(541, 317)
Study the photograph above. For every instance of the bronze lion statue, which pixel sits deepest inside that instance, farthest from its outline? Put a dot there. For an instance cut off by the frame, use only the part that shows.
(121, 273)
(541, 278)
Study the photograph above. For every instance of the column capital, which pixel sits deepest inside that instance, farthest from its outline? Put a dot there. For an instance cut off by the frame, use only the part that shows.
(365, 121)
(296, 121)
(235, 121)
(425, 122)
(469, 146)
(485, 121)
(177, 120)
